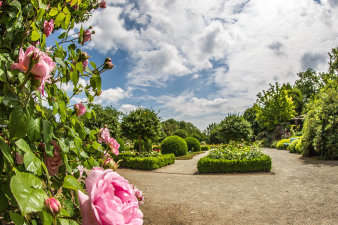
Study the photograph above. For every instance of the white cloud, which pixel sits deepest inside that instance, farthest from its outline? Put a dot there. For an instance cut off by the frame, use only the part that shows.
(126, 108)
(111, 96)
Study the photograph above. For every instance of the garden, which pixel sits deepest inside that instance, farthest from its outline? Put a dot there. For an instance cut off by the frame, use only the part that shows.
(60, 158)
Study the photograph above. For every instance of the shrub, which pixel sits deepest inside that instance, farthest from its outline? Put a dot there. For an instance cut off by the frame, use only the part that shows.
(292, 147)
(145, 162)
(209, 165)
(146, 145)
(280, 144)
(235, 128)
(174, 144)
(181, 133)
(205, 148)
(193, 144)
(274, 144)
(121, 142)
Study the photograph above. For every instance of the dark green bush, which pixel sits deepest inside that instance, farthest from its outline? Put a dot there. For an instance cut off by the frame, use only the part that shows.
(146, 145)
(181, 133)
(131, 160)
(121, 142)
(208, 165)
(193, 144)
(174, 144)
(280, 144)
(205, 148)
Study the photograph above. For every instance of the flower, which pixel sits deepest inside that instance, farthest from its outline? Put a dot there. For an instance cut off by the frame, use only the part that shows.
(139, 196)
(24, 60)
(110, 200)
(0, 3)
(48, 27)
(53, 162)
(104, 135)
(114, 146)
(111, 164)
(108, 63)
(87, 36)
(53, 205)
(80, 109)
(18, 158)
(85, 63)
(102, 4)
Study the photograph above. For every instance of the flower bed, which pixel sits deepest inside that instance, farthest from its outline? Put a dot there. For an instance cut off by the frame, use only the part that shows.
(147, 161)
(235, 158)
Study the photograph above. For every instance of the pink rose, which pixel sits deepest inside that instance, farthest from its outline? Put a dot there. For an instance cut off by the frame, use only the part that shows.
(24, 60)
(114, 146)
(104, 135)
(53, 163)
(139, 196)
(87, 36)
(48, 27)
(80, 109)
(111, 200)
(102, 4)
(53, 205)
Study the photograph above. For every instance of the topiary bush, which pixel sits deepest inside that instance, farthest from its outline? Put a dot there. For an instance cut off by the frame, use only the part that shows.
(280, 144)
(193, 144)
(174, 144)
(146, 145)
(121, 143)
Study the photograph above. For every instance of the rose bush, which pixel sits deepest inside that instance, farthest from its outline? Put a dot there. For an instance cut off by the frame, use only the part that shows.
(45, 149)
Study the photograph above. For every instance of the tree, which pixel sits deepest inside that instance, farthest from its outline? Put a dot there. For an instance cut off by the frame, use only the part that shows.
(107, 115)
(141, 124)
(169, 126)
(250, 114)
(308, 83)
(275, 107)
(181, 133)
(235, 128)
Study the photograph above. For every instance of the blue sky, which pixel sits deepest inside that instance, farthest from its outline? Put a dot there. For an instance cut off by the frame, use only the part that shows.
(199, 60)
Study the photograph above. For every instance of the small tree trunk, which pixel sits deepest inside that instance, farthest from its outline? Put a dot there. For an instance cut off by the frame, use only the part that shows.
(139, 144)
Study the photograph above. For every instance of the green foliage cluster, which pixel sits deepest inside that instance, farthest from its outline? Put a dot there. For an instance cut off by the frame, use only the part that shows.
(295, 146)
(205, 147)
(175, 145)
(280, 144)
(155, 161)
(146, 145)
(210, 165)
(181, 128)
(181, 133)
(236, 151)
(121, 143)
(193, 144)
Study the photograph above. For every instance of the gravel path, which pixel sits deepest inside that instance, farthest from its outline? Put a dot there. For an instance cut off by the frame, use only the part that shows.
(297, 191)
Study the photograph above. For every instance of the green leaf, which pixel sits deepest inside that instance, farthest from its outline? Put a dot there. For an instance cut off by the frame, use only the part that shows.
(16, 4)
(35, 35)
(81, 35)
(74, 76)
(60, 17)
(28, 192)
(64, 144)
(79, 67)
(17, 218)
(22, 144)
(73, 2)
(32, 163)
(3, 202)
(18, 123)
(34, 129)
(72, 183)
(93, 65)
(42, 5)
(55, 108)
(6, 151)
(60, 61)
(98, 84)
(47, 218)
(48, 135)
(63, 112)
(53, 12)
(40, 14)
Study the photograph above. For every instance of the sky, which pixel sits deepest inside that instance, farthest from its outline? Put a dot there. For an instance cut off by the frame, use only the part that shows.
(198, 60)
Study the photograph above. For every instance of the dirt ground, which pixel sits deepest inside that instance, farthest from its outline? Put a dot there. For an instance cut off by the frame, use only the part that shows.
(297, 191)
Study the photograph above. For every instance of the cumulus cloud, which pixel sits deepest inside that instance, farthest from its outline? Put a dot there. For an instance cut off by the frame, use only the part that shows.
(111, 96)
(312, 60)
(126, 108)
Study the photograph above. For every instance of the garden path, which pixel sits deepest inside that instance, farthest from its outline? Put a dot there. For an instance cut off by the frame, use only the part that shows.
(187, 167)
(297, 191)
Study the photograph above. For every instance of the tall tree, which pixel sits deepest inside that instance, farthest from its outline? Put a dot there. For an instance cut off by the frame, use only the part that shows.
(141, 124)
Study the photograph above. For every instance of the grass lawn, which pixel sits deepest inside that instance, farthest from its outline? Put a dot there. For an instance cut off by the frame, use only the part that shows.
(188, 156)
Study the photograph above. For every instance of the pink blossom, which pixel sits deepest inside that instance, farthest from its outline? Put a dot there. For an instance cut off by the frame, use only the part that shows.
(139, 196)
(53, 205)
(0, 3)
(53, 162)
(114, 146)
(85, 63)
(102, 4)
(110, 200)
(24, 60)
(87, 36)
(48, 27)
(80, 109)
(104, 135)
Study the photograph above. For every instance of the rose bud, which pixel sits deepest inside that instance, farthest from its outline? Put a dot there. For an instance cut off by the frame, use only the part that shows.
(108, 65)
(103, 4)
(53, 205)
(80, 109)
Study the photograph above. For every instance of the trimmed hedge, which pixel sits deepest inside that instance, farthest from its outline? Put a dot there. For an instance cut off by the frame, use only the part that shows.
(193, 144)
(174, 144)
(208, 165)
(131, 160)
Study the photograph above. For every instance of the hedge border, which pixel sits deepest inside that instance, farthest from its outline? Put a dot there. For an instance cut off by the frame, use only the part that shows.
(132, 161)
(260, 164)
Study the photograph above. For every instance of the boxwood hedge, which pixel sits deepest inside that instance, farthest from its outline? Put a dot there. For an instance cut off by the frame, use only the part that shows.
(131, 160)
(209, 165)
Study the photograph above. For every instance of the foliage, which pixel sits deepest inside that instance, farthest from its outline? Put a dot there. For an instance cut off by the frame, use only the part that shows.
(146, 145)
(174, 144)
(205, 147)
(181, 133)
(275, 107)
(294, 147)
(193, 144)
(121, 143)
(43, 141)
(104, 115)
(140, 124)
(309, 84)
(250, 114)
(235, 128)
(188, 156)
(150, 162)
(234, 158)
(280, 144)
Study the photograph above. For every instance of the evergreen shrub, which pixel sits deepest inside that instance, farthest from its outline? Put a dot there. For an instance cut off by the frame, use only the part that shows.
(121, 143)
(174, 144)
(193, 144)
